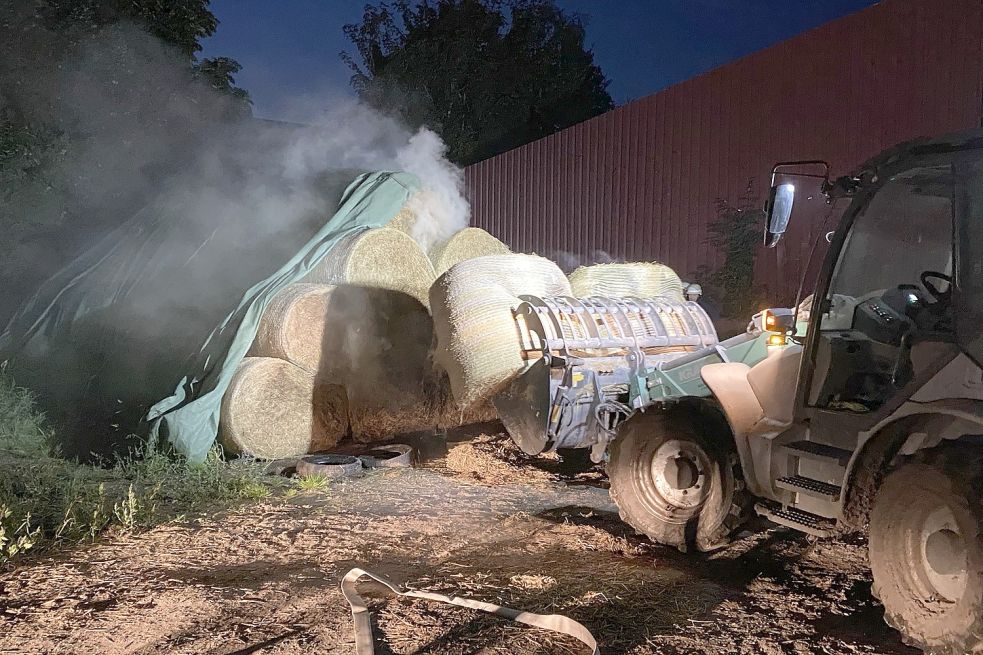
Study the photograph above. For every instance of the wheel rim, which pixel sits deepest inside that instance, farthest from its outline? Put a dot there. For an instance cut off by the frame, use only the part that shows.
(943, 554)
(677, 477)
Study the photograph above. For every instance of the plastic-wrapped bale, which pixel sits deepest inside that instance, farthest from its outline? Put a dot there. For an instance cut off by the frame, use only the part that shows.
(639, 279)
(478, 341)
(384, 258)
(273, 409)
(469, 243)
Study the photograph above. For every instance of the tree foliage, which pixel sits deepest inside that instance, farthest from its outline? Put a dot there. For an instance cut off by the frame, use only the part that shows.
(94, 96)
(487, 75)
(736, 233)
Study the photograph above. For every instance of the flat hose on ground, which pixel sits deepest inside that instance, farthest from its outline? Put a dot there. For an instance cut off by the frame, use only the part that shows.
(362, 618)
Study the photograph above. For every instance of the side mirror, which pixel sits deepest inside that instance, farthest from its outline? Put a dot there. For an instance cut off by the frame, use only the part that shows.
(777, 212)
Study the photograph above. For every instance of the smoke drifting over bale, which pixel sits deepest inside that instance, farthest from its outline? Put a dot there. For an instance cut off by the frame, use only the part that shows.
(132, 146)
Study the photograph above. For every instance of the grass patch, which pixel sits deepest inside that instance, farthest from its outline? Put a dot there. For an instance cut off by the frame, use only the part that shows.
(46, 500)
(311, 482)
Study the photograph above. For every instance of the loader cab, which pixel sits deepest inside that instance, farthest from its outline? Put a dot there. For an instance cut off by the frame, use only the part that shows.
(892, 305)
(886, 318)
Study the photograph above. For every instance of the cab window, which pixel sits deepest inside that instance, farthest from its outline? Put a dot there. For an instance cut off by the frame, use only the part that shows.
(890, 290)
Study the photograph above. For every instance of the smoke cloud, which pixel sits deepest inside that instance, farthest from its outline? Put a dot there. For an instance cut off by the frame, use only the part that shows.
(127, 138)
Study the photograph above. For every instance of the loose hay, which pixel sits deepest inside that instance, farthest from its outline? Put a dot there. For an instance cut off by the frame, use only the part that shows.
(274, 409)
(640, 279)
(469, 243)
(478, 342)
(384, 258)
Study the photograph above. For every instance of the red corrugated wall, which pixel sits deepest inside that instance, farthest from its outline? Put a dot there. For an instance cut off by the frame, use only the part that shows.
(641, 182)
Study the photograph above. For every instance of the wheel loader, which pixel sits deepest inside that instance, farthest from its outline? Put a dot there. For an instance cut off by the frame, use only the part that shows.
(858, 411)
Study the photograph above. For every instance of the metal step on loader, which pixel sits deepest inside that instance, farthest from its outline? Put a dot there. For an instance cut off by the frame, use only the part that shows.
(866, 417)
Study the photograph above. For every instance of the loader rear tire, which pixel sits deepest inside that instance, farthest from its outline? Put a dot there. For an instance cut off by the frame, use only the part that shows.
(672, 484)
(926, 550)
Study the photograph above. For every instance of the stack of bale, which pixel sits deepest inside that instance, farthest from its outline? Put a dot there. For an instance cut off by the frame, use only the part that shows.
(349, 350)
(639, 279)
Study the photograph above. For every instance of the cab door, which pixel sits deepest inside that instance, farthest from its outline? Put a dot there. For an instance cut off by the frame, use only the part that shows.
(886, 320)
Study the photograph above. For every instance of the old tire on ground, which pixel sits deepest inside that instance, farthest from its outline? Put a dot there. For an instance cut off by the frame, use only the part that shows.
(926, 551)
(672, 484)
(329, 466)
(389, 456)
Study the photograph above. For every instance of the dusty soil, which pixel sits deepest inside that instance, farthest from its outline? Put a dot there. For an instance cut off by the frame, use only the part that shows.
(480, 522)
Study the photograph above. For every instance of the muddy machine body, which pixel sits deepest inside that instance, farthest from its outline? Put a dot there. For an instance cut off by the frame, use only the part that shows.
(861, 411)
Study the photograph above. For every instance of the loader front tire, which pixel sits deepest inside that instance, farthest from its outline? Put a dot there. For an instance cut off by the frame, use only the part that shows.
(672, 484)
(926, 550)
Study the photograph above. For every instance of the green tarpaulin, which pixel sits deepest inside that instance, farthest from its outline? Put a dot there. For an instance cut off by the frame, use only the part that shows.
(126, 322)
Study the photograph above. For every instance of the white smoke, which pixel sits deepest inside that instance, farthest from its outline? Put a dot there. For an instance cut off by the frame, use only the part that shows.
(440, 208)
(350, 135)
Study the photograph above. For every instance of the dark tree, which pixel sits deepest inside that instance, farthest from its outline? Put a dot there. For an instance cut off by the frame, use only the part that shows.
(487, 75)
(99, 100)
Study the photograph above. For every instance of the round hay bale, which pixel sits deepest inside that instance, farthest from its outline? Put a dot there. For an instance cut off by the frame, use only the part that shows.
(639, 279)
(403, 221)
(374, 342)
(384, 258)
(478, 342)
(469, 243)
(347, 334)
(273, 409)
(298, 326)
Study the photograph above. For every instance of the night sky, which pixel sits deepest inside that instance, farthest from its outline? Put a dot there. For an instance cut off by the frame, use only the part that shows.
(289, 49)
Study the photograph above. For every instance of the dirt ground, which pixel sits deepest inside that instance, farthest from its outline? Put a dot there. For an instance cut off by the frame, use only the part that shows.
(479, 522)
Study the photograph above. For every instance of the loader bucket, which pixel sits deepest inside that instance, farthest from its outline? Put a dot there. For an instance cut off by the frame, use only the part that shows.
(524, 408)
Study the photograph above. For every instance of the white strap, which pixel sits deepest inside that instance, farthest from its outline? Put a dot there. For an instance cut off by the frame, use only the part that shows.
(361, 619)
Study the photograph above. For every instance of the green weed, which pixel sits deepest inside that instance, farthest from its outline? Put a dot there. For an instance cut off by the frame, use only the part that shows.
(311, 482)
(47, 501)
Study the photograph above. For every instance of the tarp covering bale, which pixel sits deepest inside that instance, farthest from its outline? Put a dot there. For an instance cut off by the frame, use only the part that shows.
(478, 342)
(469, 243)
(273, 409)
(640, 279)
(166, 306)
(383, 258)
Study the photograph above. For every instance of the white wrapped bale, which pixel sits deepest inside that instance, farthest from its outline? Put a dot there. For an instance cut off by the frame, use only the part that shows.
(469, 243)
(384, 258)
(639, 279)
(273, 409)
(478, 341)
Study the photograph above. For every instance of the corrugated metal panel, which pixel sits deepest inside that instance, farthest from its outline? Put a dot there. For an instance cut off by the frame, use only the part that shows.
(642, 181)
